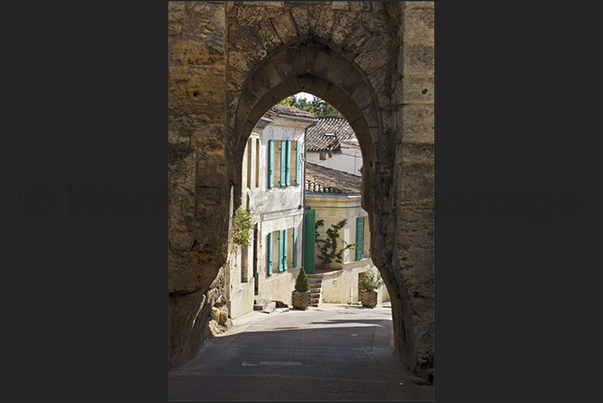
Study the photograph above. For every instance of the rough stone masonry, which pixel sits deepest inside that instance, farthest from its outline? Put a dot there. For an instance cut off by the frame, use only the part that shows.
(231, 61)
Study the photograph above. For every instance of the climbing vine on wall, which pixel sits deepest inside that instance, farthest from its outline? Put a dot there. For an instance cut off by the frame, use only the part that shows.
(241, 229)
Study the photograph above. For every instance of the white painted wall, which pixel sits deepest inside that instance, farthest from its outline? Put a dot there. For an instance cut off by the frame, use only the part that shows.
(275, 209)
(350, 159)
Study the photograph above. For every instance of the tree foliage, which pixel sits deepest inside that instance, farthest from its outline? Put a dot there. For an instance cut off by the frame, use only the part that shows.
(316, 106)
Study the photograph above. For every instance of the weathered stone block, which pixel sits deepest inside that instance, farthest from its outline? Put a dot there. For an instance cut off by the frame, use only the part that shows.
(417, 124)
(175, 22)
(362, 96)
(418, 26)
(190, 52)
(285, 27)
(268, 37)
(187, 315)
(350, 111)
(208, 138)
(380, 78)
(340, 5)
(417, 60)
(371, 59)
(175, 5)
(280, 92)
(300, 16)
(417, 4)
(418, 90)
(262, 3)
(343, 30)
(357, 41)
(352, 81)
(360, 5)
(197, 90)
(336, 96)
(324, 25)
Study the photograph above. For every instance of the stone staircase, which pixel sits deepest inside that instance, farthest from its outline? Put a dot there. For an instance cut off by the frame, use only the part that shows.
(315, 281)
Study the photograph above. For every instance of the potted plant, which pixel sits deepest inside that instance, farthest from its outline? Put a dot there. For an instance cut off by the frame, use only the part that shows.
(301, 294)
(369, 286)
(328, 251)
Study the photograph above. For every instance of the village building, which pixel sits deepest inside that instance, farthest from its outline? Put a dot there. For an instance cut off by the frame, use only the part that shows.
(272, 177)
(332, 143)
(332, 196)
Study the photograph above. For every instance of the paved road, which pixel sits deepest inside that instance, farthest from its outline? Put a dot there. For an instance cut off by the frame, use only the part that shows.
(333, 352)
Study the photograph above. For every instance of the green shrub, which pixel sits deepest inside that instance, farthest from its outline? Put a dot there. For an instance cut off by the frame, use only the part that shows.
(371, 281)
(302, 284)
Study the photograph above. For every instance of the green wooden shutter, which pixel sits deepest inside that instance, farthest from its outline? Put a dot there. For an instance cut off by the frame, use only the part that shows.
(298, 165)
(283, 162)
(270, 164)
(287, 162)
(359, 237)
(294, 260)
(269, 248)
(280, 250)
(285, 247)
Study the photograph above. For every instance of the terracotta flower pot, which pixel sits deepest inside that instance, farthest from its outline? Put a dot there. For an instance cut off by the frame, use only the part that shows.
(325, 265)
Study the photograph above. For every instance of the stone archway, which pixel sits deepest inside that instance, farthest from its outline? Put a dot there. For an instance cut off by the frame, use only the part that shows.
(230, 62)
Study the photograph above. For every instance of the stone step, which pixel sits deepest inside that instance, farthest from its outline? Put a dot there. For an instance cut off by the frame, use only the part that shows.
(259, 304)
(270, 307)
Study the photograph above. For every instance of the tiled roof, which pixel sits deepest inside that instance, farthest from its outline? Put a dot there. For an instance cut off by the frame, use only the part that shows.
(291, 111)
(316, 139)
(320, 179)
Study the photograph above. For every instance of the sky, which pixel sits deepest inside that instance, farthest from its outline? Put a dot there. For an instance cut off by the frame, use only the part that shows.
(308, 97)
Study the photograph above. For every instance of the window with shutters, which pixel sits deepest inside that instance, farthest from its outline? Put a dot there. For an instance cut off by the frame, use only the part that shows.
(284, 163)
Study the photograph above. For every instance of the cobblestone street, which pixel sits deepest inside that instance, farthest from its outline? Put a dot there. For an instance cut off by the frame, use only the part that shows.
(333, 352)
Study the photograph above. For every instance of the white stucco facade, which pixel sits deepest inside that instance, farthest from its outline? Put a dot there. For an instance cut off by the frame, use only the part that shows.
(274, 210)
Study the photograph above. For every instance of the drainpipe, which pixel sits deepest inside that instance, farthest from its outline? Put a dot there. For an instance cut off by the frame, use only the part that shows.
(304, 197)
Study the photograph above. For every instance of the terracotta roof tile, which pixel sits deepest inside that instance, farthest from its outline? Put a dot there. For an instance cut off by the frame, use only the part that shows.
(291, 111)
(317, 140)
(320, 179)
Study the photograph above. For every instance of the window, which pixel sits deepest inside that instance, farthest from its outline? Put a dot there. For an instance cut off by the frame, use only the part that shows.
(257, 163)
(282, 249)
(269, 255)
(249, 145)
(284, 163)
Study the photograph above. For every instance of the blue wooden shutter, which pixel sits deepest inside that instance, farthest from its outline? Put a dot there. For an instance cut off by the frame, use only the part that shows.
(298, 165)
(270, 164)
(269, 248)
(294, 260)
(287, 162)
(359, 237)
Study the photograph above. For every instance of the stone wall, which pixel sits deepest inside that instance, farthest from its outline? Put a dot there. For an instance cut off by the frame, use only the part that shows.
(231, 61)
